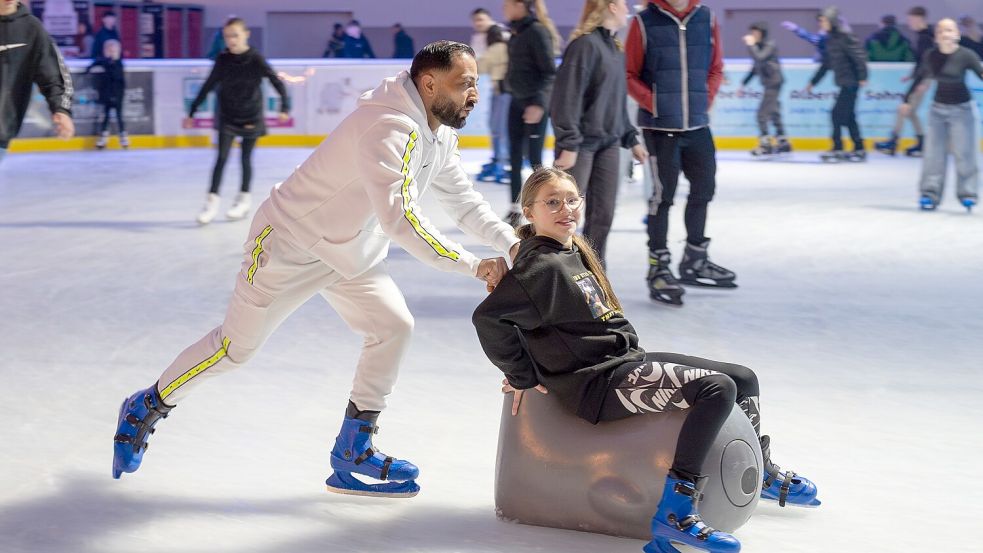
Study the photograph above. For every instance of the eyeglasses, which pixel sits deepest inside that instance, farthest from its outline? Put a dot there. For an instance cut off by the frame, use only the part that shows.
(556, 204)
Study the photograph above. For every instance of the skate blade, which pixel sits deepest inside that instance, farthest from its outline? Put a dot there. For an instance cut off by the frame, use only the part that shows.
(668, 300)
(815, 503)
(346, 484)
(727, 285)
(663, 545)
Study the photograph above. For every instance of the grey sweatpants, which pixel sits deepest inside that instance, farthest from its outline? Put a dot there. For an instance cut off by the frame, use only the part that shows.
(276, 278)
(770, 110)
(951, 128)
(598, 175)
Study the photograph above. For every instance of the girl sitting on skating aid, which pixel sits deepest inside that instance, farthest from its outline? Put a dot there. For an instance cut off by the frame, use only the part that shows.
(585, 352)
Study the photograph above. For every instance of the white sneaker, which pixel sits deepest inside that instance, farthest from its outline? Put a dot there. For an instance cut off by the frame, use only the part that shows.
(210, 210)
(241, 206)
(102, 140)
(124, 140)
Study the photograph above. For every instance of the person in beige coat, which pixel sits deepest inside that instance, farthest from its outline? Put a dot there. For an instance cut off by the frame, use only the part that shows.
(495, 64)
(326, 230)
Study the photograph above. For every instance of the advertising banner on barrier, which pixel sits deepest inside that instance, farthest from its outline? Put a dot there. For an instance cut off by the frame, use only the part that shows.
(808, 114)
(138, 107)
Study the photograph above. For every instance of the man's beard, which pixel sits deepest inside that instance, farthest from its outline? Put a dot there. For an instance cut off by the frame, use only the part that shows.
(449, 114)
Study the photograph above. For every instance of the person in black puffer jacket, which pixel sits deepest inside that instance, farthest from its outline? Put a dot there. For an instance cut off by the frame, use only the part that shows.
(28, 56)
(846, 57)
(238, 74)
(532, 48)
(768, 69)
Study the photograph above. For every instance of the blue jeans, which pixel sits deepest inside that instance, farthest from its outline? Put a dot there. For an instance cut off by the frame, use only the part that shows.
(498, 122)
(951, 127)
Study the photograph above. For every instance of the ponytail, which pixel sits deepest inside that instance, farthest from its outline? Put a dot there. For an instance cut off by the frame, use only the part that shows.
(525, 231)
(539, 7)
(593, 264)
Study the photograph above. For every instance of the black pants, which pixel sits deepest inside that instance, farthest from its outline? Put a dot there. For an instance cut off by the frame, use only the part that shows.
(693, 153)
(597, 175)
(118, 108)
(525, 141)
(844, 114)
(224, 145)
(770, 109)
(671, 382)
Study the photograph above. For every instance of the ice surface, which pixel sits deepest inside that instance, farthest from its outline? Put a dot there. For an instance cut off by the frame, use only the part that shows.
(860, 314)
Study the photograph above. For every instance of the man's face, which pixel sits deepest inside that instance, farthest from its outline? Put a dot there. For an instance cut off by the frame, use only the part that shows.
(457, 92)
(109, 22)
(916, 22)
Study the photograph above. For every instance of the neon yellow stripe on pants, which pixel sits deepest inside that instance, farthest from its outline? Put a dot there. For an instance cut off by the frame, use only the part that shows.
(197, 369)
(256, 252)
(408, 208)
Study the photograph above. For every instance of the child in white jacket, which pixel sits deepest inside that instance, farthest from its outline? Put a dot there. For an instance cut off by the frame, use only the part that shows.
(327, 229)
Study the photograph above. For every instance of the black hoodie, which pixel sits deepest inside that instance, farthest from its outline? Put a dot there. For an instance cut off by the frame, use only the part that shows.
(239, 78)
(574, 344)
(531, 67)
(28, 56)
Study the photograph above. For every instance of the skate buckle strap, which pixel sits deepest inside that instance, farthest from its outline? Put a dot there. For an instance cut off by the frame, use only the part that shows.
(368, 429)
(686, 490)
(772, 475)
(365, 455)
(704, 533)
(786, 484)
(384, 475)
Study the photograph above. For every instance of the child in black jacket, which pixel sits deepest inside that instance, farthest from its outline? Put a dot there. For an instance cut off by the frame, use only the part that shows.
(768, 68)
(111, 84)
(238, 74)
(579, 346)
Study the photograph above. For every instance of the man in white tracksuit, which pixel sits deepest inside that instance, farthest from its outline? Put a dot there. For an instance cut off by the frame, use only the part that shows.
(327, 230)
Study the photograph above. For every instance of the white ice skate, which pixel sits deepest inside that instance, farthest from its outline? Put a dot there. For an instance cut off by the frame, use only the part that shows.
(241, 206)
(210, 210)
(124, 140)
(102, 140)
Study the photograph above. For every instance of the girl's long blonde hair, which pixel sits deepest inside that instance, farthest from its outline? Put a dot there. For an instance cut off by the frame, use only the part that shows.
(591, 18)
(530, 189)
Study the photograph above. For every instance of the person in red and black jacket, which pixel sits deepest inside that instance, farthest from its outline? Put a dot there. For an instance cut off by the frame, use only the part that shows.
(675, 66)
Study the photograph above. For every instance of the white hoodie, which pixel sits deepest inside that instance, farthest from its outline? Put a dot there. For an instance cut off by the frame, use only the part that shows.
(360, 188)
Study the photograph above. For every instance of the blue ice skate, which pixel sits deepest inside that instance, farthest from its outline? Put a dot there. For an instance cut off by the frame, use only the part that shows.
(678, 522)
(353, 453)
(969, 204)
(137, 417)
(785, 487)
(927, 204)
(494, 172)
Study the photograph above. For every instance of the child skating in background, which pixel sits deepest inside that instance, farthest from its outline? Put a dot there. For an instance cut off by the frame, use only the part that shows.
(111, 85)
(238, 75)
(581, 349)
(953, 121)
(768, 68)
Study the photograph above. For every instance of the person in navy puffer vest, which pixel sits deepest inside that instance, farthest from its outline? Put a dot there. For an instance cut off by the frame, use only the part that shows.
(675, 66)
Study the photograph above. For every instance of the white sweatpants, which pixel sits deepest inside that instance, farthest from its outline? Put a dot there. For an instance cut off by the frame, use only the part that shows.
(276, 278)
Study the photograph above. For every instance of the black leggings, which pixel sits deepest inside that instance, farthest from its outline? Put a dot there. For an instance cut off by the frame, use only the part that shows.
(224, 145)
(671, 382)
(524, 141)
(118, 108)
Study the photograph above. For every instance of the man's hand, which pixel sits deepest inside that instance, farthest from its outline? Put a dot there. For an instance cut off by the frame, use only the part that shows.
(284, 117)
(491, 271)
(863, 84)
(508, 389)
(749, 39)
(808, 89)
(639, 152)
(188, 123)
(533, 114)
(790, 26)
(63, 124)
(565, 160)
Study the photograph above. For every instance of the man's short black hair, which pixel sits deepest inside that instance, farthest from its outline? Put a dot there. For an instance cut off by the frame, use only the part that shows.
(919, 11)
(437, 56)
(889, 20)
(109, 14)
(480, 11)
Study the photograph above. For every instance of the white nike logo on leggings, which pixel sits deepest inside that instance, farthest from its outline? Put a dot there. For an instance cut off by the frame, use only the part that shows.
(5, 47)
